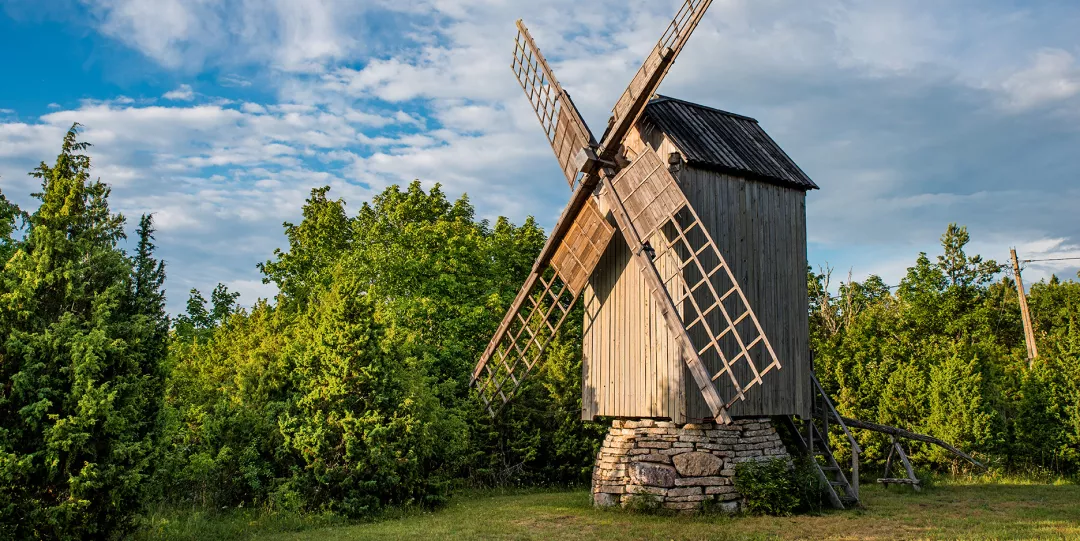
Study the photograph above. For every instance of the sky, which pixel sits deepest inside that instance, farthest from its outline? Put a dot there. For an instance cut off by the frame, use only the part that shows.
(220, 117)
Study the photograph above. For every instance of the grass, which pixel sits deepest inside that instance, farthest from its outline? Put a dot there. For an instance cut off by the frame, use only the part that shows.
(946, 511)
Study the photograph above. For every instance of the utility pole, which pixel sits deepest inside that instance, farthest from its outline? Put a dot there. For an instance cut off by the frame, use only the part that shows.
(1029, 331)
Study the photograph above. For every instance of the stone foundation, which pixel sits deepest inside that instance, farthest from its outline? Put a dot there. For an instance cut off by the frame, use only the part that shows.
(679, 467)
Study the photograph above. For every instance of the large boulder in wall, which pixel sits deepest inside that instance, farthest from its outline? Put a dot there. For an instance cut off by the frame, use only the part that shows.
(698, 464)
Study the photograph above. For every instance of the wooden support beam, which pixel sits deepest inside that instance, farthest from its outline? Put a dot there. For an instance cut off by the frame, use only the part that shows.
(899, 432)
(907, 466)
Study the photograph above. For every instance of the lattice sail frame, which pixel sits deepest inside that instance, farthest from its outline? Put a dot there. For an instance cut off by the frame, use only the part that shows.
(652, 71)
(551, 293)
(715, 313)
(562, 124)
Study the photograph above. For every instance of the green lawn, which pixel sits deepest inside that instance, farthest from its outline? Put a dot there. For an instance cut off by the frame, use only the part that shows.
(980, 511)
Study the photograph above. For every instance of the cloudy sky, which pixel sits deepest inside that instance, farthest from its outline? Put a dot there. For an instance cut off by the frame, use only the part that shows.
(219, 117)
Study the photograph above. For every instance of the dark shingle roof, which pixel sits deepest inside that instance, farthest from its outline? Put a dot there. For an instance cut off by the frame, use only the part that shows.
(726, 142)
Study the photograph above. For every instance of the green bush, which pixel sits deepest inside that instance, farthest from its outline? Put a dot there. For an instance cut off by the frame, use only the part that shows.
(778, 487)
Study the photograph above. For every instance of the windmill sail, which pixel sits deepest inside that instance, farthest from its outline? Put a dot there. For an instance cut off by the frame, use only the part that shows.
(562, 124)
(541, 308)
(647, 79)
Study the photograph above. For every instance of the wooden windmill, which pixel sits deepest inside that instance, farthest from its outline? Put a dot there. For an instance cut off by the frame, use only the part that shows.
(670, 330)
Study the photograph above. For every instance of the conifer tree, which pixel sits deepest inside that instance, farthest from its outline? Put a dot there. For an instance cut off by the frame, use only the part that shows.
(81, 339)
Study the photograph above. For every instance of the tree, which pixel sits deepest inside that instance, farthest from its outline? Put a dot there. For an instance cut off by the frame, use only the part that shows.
(80, 342)
(11, 218)
(198, 323)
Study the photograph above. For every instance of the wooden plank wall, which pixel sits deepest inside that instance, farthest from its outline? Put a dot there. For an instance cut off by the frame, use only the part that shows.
(760, 228)
(630, 367)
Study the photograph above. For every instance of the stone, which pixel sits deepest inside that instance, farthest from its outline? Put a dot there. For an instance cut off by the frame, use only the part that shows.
(701, 481)
(655, 491)
(604, 499)
(652, 474)
(729, 507)
(720, 490)
(698, 464)
(681, 505)
(663, 459)
(653, 445)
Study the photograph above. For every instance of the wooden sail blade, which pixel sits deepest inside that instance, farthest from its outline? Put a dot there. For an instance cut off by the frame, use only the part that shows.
(719, 321)
(580, 250)
(540, 309)
(648, 77)
(562, 124)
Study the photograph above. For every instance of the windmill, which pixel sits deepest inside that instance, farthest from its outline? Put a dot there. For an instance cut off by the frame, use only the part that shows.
(673, 350)
(671, 339)
(654, 219)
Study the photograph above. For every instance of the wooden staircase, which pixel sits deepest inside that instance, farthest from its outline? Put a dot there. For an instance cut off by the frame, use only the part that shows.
(812, 438)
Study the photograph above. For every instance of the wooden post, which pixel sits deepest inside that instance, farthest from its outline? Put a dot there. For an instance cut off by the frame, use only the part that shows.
(907, 466)
(1029, 330)
(855, 472)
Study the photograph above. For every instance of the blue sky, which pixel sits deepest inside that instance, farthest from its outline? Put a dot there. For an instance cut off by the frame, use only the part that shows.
(219, 117)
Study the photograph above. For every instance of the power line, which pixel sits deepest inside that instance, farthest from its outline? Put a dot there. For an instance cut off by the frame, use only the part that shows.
(1052, 259)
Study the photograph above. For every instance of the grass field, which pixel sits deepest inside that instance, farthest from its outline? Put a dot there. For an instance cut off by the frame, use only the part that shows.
(953, 511)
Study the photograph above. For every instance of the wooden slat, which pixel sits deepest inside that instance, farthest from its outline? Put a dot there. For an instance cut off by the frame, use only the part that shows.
(632, 102)
(563, 126)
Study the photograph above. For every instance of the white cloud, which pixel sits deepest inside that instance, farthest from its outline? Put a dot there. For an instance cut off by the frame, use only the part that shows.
(233, 80)
(292, 35)
(889, 106)
(181, 93)
(1053, 76)
(1048, 256)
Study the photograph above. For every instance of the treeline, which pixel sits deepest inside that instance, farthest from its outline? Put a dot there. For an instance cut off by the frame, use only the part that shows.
(348, 392)
(943, 353)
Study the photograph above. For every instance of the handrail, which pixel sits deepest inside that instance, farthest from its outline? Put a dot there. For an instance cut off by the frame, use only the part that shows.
(839, 420)
(899, 432)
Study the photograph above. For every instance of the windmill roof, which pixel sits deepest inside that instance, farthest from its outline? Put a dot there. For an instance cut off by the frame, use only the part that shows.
(713, 139)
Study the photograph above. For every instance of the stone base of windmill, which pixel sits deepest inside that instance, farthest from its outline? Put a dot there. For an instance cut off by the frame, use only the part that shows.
(679, 467)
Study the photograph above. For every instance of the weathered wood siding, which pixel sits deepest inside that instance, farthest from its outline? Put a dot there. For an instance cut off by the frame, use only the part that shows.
(630, 368)
(760, 229)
